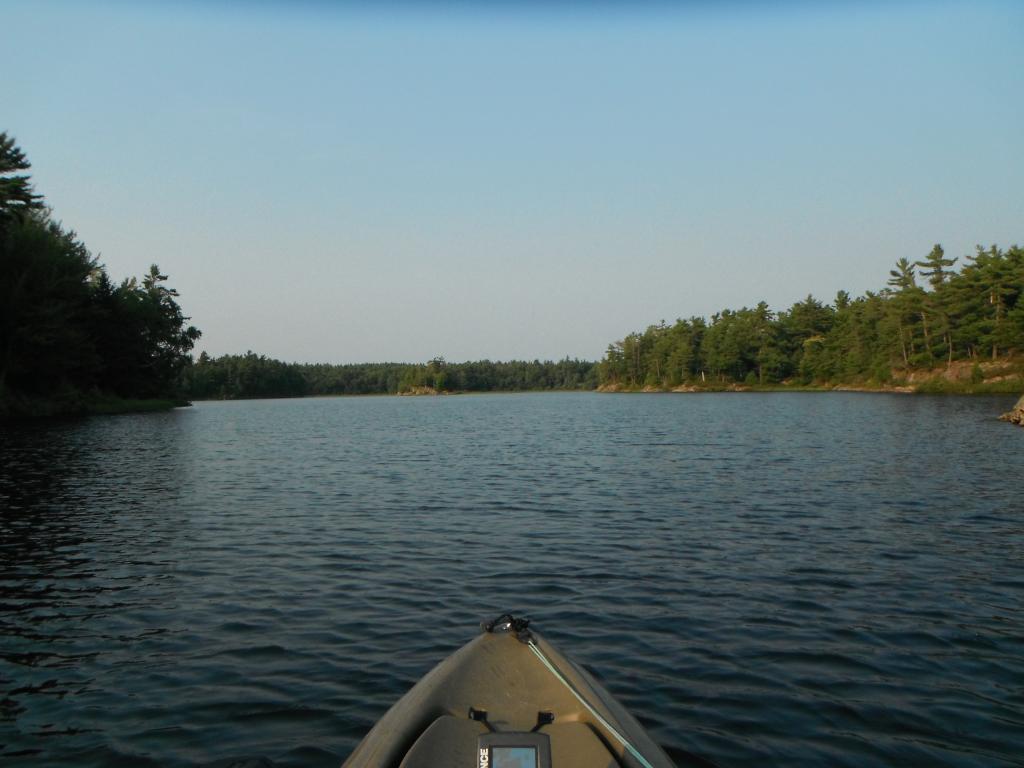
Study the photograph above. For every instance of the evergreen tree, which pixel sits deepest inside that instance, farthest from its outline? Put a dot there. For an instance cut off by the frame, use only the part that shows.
(934, 267)
(16, 195)
(937, 303)
(981, 307)
(44, 294)
(906, 302)
(66, 333)
(802, 330)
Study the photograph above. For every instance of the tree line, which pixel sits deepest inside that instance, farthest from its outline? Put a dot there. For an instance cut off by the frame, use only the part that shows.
(70, 336)
(929, 314)
(251, 375)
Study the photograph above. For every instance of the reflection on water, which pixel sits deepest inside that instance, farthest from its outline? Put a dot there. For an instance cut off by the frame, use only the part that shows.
(817, 579)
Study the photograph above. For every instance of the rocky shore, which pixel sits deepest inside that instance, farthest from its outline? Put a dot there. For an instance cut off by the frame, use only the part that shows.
(1016, 414)
(963, 377)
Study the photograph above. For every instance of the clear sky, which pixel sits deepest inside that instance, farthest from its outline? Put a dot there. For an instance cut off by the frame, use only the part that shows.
(343, 182)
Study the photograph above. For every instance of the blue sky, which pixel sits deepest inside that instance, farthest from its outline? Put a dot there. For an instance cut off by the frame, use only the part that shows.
(346, 182)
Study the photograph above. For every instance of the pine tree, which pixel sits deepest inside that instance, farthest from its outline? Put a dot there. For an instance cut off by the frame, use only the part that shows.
(904, 291)
(934, 267)
(16, 195)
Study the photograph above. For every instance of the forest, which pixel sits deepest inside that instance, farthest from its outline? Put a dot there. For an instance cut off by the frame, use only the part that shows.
(71, 340)
(932, 315)
(252, 375)
(929, 315)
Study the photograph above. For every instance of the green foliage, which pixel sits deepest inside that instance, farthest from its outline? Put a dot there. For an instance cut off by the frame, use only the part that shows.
(875, 338)
(68, 337)
(238, 376)
(44, 299)
(934, 267)
(251, 375)
(71, 340)
(16, 196)
(977, 376)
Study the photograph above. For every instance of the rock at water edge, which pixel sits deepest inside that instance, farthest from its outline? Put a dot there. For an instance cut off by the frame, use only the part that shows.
(1016, 415)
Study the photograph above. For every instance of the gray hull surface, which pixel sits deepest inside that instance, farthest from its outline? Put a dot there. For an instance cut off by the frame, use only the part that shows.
(513, 680)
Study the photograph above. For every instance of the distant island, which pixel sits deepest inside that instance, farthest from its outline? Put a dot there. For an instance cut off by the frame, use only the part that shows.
(72, 341)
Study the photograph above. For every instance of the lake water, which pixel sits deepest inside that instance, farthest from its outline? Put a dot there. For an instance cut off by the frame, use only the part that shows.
(831, 579)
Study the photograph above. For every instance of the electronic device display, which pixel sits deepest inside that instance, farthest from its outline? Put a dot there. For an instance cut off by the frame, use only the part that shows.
(513, 750)
(513, 757)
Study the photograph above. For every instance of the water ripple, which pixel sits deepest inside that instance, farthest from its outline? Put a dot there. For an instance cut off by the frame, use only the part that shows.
(837, 583)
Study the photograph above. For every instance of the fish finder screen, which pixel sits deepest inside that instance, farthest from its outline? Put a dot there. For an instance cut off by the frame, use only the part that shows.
(513, 757)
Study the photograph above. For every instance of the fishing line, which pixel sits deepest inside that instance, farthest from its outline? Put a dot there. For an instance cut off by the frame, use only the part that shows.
(608, 726)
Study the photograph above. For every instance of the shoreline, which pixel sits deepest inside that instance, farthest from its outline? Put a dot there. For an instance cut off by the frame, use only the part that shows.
(29, 410)
(35, 409)
(998, 389)
(962, 377)
(1001, 388)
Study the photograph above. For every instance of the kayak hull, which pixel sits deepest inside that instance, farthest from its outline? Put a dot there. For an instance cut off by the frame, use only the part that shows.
(501, 683)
